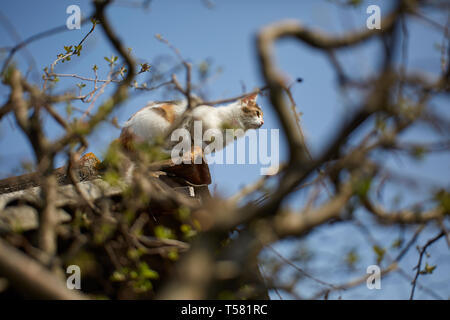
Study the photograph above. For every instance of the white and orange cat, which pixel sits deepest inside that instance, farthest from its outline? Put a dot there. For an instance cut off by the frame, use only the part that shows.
(156, 119)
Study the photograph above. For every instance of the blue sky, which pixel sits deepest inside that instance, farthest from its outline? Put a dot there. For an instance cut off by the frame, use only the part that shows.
(226, 36)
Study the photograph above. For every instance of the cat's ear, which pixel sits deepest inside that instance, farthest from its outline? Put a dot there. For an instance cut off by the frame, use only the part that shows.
(249, 100)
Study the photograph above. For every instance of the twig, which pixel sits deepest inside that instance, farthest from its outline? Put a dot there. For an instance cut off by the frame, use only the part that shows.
(422, 251)
(33, 38)
(306, 274)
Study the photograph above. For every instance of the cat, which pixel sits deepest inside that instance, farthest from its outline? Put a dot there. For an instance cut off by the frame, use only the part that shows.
(156, 119)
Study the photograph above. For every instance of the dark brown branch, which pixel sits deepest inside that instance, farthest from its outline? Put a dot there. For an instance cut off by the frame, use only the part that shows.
(419, 263)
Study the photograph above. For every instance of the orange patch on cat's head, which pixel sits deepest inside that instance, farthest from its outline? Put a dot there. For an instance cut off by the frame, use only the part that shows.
(249, 100)
(254, 110)
(249, 105)
(252, 113)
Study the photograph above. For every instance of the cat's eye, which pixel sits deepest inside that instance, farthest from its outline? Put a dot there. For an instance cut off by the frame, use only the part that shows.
(258, 113)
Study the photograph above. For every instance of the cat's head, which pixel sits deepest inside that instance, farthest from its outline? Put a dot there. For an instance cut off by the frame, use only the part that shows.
(252, 115)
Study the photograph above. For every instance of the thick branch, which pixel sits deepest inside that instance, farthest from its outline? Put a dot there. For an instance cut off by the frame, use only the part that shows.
(30, 277)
